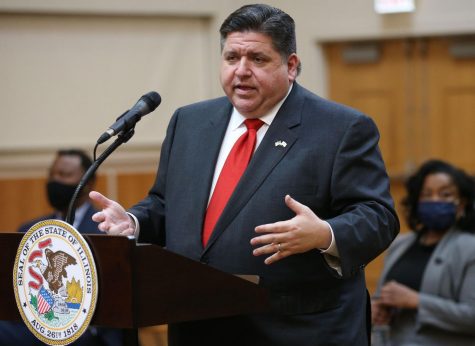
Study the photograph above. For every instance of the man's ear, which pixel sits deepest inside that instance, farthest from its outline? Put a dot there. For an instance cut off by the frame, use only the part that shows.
(293, 63)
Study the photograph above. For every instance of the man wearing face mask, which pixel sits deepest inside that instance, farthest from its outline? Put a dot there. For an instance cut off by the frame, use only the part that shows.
(64, 176)
(426, 294)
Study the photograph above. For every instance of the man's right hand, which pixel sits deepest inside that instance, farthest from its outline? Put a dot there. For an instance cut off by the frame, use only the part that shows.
(112, 219)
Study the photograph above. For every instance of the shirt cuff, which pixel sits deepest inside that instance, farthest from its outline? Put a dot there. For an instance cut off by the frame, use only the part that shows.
(332, 249)
(331, 254)
(136, 223)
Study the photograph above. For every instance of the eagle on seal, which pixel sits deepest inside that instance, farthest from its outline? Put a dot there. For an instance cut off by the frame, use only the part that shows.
(56, 268)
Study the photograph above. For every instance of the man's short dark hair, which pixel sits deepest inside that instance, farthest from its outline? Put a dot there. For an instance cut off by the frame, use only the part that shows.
(264, 19)
(86, 161)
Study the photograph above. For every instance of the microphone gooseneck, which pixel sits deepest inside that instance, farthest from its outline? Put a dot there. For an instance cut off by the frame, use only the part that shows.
(124, 127)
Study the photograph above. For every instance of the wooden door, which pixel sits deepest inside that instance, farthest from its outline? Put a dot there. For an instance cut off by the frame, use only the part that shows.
(420, 92)
(448, 115)
(374, 84)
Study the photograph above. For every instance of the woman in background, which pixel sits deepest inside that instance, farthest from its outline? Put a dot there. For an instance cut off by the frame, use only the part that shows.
(426, 293)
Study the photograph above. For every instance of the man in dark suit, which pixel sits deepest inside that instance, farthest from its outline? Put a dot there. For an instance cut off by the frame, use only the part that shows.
(311, 209)
(64, 175)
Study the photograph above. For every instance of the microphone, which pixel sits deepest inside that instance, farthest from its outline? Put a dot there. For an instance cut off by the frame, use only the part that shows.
(146, 104)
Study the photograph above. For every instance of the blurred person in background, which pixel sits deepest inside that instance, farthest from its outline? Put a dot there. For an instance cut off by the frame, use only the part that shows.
(64, 176)
(426, 293)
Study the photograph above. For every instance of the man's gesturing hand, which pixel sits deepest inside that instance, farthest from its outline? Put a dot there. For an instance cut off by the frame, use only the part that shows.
(304, 232)
(113, 219)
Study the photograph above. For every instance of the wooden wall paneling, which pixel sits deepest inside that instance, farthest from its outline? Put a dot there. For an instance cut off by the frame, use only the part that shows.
(21, 200)
(101, 183)
(450, 104)
(377, 88)
(24, 199)
(154, 336)
(418, 134)
(132, 187)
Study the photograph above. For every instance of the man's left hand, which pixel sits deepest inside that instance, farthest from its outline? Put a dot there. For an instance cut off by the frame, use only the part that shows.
(304, 232)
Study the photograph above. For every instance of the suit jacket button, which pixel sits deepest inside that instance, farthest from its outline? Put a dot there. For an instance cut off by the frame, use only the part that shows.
(438, 260)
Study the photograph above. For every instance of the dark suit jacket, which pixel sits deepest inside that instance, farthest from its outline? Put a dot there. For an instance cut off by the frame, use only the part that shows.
(331, 163)
(18, 334)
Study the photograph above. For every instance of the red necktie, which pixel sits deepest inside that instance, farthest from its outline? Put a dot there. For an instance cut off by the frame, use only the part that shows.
(233, 168)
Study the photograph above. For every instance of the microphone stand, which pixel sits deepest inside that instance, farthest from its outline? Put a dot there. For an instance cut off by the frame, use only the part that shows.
(122, 138)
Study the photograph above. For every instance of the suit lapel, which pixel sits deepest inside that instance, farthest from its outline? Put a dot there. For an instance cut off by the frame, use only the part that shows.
(266, 157)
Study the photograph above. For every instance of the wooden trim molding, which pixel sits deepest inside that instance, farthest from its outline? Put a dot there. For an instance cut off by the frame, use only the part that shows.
(26, 163)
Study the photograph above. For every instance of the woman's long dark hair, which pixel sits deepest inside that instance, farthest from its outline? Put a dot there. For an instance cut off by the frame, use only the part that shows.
(464, 183)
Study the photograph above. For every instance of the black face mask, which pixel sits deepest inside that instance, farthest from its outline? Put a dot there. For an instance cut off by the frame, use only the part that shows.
(437, 216)
(59, 194)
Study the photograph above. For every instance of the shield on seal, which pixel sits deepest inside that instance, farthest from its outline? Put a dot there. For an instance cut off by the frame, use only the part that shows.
(55, 282)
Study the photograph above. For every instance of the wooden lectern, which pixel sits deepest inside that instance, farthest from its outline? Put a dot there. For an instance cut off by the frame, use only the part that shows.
(146, 285)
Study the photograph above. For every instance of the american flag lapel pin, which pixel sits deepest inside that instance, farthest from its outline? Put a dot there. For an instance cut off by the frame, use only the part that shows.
(282, 144)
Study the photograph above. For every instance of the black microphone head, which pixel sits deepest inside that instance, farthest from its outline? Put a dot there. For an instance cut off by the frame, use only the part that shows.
(152, 99)
(146, 104)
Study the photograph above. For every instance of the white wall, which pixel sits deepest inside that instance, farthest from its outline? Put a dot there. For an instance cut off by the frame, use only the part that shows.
(66, 78)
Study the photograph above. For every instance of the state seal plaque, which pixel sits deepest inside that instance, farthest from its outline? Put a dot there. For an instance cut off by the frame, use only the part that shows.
(55, 282)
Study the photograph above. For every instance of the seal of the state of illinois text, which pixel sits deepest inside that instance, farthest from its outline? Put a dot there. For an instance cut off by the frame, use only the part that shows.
(55, 282)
